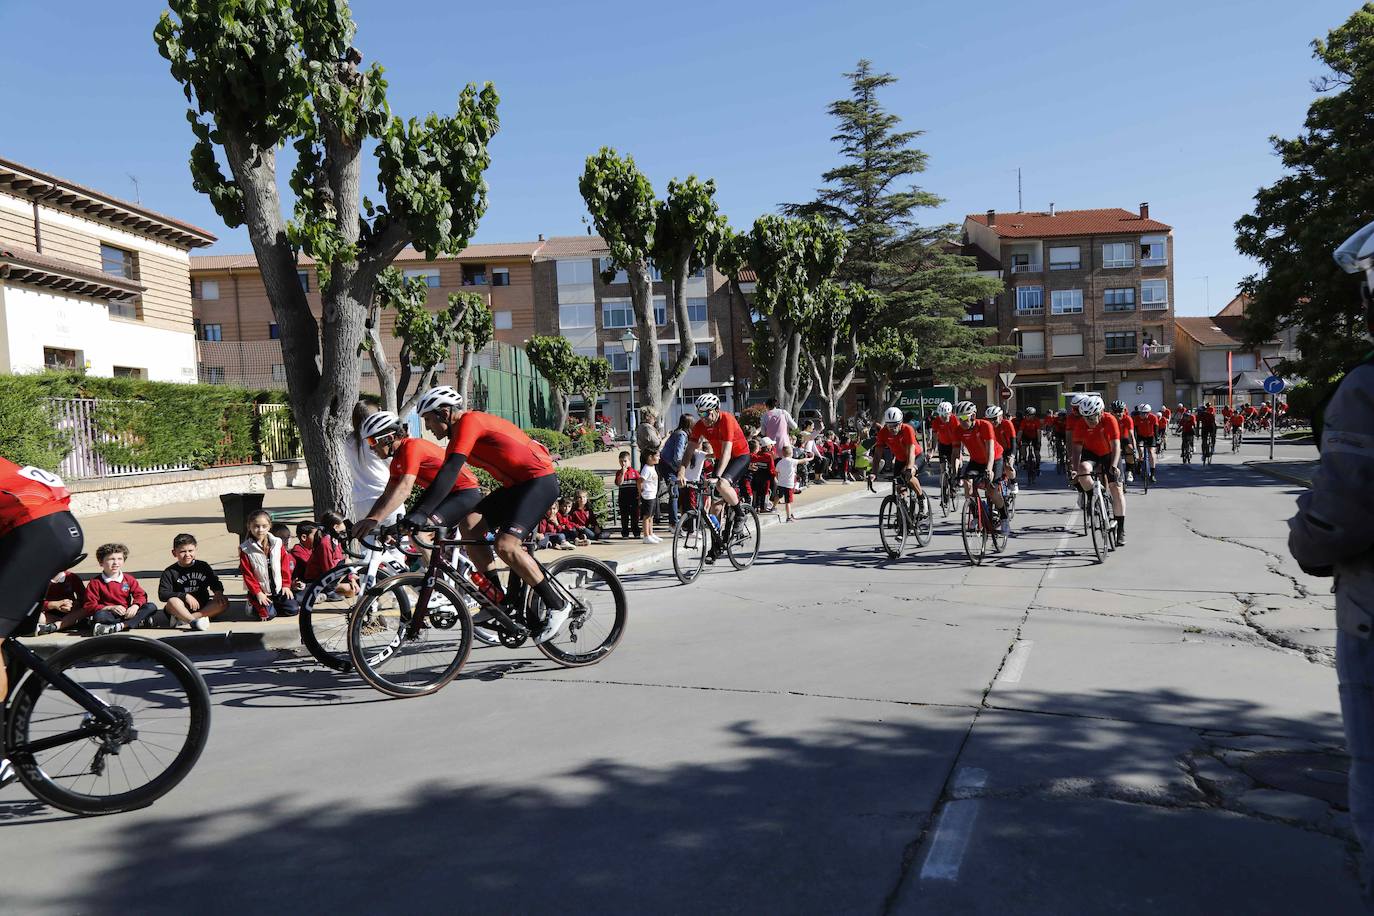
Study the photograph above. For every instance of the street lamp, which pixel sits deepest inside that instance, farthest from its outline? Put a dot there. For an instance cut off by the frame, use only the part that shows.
(630, 343)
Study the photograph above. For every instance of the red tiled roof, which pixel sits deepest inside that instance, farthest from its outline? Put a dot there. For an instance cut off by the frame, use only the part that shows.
(472, 252)
(747, 275)
(24, 265)
(570, 246)
(1113, 220)
(1206, 332)
(1236, 307)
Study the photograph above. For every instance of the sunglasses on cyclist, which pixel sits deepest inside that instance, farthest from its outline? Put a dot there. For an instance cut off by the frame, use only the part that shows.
(383, 439)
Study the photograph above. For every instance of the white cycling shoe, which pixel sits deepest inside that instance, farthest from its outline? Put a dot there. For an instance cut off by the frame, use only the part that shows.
(555, 623)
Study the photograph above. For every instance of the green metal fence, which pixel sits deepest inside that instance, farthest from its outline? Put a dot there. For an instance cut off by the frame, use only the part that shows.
(507, 385)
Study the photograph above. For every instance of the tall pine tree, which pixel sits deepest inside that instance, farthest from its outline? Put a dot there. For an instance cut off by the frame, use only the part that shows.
(914, 317)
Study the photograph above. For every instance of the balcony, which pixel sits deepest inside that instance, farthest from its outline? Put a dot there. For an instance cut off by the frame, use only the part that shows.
(1027, 268)
(1154, 306)
(1037, 310)
(1156, 351)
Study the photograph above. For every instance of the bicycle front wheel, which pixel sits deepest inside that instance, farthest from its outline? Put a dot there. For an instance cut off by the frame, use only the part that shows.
(892, 526)
(163, 709)
(1099, 530)
(743, 544)
(971, 529)
(691, 540)
(920, 524)
(398, 661)
(599, 615)
(324, 617)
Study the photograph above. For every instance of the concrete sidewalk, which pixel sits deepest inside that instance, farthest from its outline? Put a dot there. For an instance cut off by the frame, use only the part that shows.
(148, 534)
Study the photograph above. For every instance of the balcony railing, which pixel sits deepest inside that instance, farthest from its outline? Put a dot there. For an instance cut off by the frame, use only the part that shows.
(1037, 310)
(1026, 268)
(1153, 306)
(1152, 351)
(1154, 262)
(1065, 265)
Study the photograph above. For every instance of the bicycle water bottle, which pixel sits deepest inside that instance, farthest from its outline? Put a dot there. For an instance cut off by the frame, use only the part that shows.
(715, 522)
(488, 588)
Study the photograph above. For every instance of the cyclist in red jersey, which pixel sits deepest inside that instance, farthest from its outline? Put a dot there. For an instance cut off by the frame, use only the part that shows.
(1031, 424)
(1005, 431)
(1098, 444)
(947, 435)
(412, 461)
(529, 485)
(1207, 425)
(984, 452)
(39, 538)
(1130, 451)
(729, 447)
(899, 440)
(1148, 426)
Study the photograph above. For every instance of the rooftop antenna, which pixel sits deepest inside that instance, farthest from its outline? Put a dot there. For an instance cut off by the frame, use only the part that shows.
(134, 179)
(1019, 207)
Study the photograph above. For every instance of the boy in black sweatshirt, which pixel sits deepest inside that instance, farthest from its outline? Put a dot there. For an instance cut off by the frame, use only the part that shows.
(186, 586)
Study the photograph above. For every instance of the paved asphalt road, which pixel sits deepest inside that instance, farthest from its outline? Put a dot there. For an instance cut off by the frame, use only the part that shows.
(827, 732)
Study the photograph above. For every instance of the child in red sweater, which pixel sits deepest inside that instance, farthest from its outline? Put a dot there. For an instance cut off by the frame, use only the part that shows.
(627, 496)
(551, 532)
(114, 599)
(266, 571)
(299, 555)
(326, 553)
(584, 518)
(64, 604)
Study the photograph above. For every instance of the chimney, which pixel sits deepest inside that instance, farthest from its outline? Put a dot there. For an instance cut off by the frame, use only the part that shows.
(992, 217)
(541, 236)
(1051, 208)
(1145, 210)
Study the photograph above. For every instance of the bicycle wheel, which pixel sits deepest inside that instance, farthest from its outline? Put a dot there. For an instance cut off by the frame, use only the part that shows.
(742, 547)
(324, 617)
(1147, 468)
(164, 709)
(892, 526)
(397, 663)
(1098, 530)
(600, 612)
(971, 530)
(691, 540)
(920, 523)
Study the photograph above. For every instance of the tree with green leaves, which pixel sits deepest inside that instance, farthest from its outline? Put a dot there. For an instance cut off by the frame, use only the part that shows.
(919, 287)
(259, 76)
(832, 336)
(474, 333)
(1324, 196)
(568, 373)
(678, 235)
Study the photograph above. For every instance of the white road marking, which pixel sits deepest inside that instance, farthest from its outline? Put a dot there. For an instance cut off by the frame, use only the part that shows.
(1016, 662)
(1058, 551)
(955, 828)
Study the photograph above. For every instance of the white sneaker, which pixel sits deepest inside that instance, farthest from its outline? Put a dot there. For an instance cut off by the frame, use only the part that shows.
(556, 620)
(105, 629)
(653, 539)
(7, 774)
(200, 624)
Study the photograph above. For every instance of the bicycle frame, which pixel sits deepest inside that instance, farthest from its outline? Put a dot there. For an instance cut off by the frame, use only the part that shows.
(20, 659)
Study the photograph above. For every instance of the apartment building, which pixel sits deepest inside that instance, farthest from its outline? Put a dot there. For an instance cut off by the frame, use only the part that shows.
(1211, 353)
(1088, 300)
(91, 282)
(571, 299)
(237, 332)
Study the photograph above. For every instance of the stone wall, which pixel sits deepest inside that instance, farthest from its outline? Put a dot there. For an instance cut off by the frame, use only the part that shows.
(141, 491)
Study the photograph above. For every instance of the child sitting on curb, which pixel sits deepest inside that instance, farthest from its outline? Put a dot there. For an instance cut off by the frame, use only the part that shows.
(551, 531)
(325, 554)
(114, 598)
(584, 517)
(190, 590)
(299, 555)
(266, 573)
(64, 604)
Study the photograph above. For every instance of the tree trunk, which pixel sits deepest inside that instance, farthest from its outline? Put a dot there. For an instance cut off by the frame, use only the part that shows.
(465, 372)
(563, 403)
(646, 368)
(686, 346)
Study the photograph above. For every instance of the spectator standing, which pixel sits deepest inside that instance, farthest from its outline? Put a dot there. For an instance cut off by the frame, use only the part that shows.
(627, 496)
(370, 472)
(788, 468)
(64, 605)
(670, 459)
(266, 572)
(114, 598)
(189, 589)
(762, 473)
(648, 434)
(648, 495)
(778, 425)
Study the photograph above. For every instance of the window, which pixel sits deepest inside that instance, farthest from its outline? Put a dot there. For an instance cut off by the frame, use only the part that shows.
(430, 276)
(204, 289)
(214, 375)
(696, 310)
(702, 356)
(500, 276)
(212, 332)
(1064, 258)
(577, 315)
(118, 262)
(501, 320)
(654, 273)
(1117, 254)
(279, 373)
(304, 277)
(620, 275)
(660, 310)
(617, 313)
(574, 272)
(57, 358)
(123, 308)
(617, 357)
(1119, 300)
(1154, 251)
(1021, 263)
(1066, 301)
(1067, 344)
(128, 372)
(698, 273)
(1032, 343)
(1154, 294)
(475, 275)
(273, 332)
(975, 312)
(1120, 343)
(1030, 299)
(589, 352)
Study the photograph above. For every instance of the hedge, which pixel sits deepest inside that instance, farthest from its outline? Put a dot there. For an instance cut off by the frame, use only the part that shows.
(144, 423)
(570, 480)
(557, 443)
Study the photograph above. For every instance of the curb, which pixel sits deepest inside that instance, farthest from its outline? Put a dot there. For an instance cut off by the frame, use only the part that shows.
(1278, 475)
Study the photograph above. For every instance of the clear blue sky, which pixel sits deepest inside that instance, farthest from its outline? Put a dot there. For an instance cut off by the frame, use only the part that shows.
(1104, 103)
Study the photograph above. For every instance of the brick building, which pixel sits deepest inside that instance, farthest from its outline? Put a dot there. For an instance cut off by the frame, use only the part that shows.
(1211, 352)
(1088, 299)
(92, 282)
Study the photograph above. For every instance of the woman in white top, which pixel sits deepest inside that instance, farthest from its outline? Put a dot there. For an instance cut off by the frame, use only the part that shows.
(370, 473)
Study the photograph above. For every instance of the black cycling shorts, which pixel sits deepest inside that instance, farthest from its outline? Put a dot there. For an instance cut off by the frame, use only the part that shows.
(946, 452)
(1146, 441)
(517, 509)
(458, 505)
(919, 467)
(736, 469)
(30, 555)
(1099, 461)
(972, 467)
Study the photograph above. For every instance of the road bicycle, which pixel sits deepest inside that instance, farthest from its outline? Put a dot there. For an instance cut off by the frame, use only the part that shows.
(412, 633)
(699, 535)
(1145, 468)
(324, 615)
(1030, 460)
(1209, 445)
(901, 518)
(1185, 452)
(950, 491)
(108, 724)
(1098, 520)
(980, 532)
(1235, 440)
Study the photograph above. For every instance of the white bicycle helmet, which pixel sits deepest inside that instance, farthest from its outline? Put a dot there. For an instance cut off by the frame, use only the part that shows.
(439, 396)
(707, 403)
(944, 410)
(892, 416)
(1091, 406)
(379, 424)
(966, 410)
(993, 412)
(1030, 411)
(1076, 400)
(1146, 408)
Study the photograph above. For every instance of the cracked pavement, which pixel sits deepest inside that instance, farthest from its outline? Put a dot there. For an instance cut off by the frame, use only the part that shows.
(827, 732)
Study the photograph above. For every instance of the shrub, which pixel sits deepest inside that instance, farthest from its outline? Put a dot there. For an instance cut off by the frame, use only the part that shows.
(752, 416)
(29, 431)
(570, 480)
(584, 442)
(551, 439)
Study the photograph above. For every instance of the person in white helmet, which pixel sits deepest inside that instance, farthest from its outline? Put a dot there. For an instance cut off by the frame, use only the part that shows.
(729, 448)
(1097, 443)
(985, 454)
(1331, 535)
(529, 485)
(899, 441)
(948, 449)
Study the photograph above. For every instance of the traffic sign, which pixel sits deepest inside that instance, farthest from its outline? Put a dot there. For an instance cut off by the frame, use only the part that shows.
(1274, 385)
(1006, 378)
